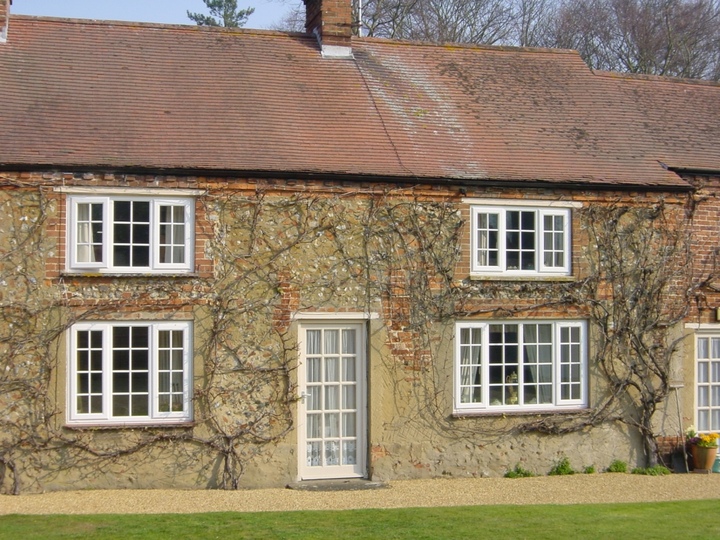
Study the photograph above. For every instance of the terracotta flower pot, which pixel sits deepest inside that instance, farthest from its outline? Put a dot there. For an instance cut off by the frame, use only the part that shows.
(703, 457)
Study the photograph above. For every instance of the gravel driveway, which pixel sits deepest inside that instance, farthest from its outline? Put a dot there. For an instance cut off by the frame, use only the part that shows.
(593, 488)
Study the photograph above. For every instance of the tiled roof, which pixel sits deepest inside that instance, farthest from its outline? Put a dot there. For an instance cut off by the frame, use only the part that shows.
(76, 93)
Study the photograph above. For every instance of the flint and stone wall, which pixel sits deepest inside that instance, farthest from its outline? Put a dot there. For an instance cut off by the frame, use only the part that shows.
(266, 250)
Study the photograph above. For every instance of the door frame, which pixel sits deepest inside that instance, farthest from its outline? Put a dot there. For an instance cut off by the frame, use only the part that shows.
(360, 469)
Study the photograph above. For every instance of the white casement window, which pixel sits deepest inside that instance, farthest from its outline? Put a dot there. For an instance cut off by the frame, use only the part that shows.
(129, 373)
(506, 366)
(130, 234)
(522, 241)
(707, 377)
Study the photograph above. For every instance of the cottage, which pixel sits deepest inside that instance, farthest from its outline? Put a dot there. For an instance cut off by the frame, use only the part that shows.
(239, 258)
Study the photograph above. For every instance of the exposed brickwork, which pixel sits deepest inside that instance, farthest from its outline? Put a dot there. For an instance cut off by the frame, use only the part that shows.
(4, 14)
(706, 245)
(332, 19)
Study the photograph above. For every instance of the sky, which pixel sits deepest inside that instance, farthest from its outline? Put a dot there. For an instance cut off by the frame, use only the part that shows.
(267, 12)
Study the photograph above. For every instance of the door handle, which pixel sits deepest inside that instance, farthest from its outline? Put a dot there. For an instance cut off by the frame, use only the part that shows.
(303, 396)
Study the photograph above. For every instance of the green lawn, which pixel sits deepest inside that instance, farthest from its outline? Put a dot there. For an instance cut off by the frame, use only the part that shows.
(693, 519)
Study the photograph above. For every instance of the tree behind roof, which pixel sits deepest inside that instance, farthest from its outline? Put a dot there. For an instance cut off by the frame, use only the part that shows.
(222, 13)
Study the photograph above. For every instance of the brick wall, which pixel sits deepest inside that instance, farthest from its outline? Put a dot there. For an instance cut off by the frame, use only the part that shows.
(706, 245)
(4, 14)
(332, 18)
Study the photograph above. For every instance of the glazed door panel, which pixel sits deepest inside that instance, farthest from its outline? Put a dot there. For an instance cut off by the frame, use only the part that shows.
(331, 414)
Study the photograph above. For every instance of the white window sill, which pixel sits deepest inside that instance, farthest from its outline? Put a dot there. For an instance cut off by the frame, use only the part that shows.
(130, 425)
(535, 277)
(90, 274)
(518, 412)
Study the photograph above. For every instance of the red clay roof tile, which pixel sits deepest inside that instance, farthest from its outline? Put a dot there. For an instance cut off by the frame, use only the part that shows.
(91, 94)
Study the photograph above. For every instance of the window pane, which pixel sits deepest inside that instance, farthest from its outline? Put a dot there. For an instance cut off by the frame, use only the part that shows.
(139, 383)
(122, 211)
(314, 427)
(703, 397)
(332, 371)
(140, 256)
(313, 398)
(487, 251)
(332, 425)
(96, 382)
(314, 454)
(715, 347)
(164, 360)
(554, 241)
(703, 372)
(121, 336)
(177, 382)
(348, 345)
(178, 236)
(121, 382)
(313, 371)
(121, 256)
(164, 383)
(164, 403)
(131, 230)
(332, 342)
(349, 397)
(332, 453)
(349, 425)
(83, 359)
(89, 232)
(141, 211)
(121, 405)
(172, 234)
(141, 234)
(140, 405)
(140, 360)
(512, 242)
(332, 397)
(170, 365)
(140, 336)
(349, 370)
(122, 233)
(703, 420)
(349, 452)
(313, 341)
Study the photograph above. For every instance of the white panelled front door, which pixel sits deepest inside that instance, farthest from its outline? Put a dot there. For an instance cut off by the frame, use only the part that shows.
(331, 414)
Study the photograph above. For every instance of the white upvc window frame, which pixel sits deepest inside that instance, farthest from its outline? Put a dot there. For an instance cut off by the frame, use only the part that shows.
(104, 389)
(106, 265)
(707, 382)
(477, 396)
(539, 248)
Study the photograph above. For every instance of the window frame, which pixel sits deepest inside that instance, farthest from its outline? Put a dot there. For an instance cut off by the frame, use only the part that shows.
(154, 416)
(484, 403)
(73, 264)
(705, 381)
(539, 248)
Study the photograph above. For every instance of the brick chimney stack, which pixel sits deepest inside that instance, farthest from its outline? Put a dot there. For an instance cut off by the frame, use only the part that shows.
(331, 22)
(4, 19)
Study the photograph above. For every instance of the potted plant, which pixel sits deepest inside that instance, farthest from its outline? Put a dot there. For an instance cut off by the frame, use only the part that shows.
(703, 448)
